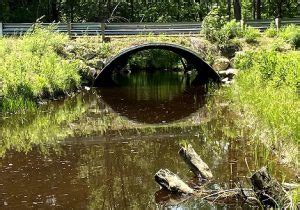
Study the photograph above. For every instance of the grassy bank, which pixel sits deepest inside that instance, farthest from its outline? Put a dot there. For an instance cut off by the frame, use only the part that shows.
(31, 69)
(267, 91)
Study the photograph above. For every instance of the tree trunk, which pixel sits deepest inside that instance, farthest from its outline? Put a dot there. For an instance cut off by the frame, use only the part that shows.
(268, 190)
(237, 10)
(54, 11)
(132, 11)
(229, 9)
(253, 9)
(279, 8)
(109, 9)
(258, 9)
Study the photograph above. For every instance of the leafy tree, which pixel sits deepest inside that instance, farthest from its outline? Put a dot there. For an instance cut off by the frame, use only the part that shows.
(141, 11)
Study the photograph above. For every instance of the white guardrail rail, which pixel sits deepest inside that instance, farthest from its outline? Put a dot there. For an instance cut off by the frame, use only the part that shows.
(110, 29)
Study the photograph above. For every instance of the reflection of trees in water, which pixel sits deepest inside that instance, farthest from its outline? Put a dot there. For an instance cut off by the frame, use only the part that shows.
(178, 108)
(43, 128)
(46, 127)
(153, 85)
(85, 114)
(125, 178)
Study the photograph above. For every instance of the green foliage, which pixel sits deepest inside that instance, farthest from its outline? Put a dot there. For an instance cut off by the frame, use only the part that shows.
(251, 34)
(268, 86)
(231, 29)
(246, 9)
(30, 69)
(133, 11)
(295, 197)
(212, 24)
(271, 31)
(278, 44)
(155, 59)
(97, 10)
(227, 43)
(291, 34)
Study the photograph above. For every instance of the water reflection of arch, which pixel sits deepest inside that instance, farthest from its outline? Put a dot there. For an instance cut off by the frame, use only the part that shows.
(205, 72)
(153, 111)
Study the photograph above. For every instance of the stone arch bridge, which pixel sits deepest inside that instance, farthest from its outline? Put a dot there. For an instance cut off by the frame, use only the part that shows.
(205, 72)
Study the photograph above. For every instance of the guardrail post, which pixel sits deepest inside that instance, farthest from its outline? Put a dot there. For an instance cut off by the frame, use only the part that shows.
(277, 23)
(1, 29)
(103, 31)
(242, 22)
(69, 28)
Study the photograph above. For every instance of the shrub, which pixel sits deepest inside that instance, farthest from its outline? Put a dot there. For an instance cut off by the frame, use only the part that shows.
(231, 29)
(212, 24)
(279, 45)
(271, 31)
(229, 48)
(291, 34)
(251, 34)
(278, 69)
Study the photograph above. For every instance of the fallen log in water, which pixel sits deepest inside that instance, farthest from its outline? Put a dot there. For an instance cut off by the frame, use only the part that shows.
(268, 190)
(170, 181)
(195, 163)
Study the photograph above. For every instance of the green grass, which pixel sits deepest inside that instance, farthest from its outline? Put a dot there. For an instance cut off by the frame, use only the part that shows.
(251, 34)
(267, 89)
(31, 69)
(291, 34)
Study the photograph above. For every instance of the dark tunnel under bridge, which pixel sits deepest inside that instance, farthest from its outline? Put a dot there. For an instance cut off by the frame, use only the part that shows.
(205, 72)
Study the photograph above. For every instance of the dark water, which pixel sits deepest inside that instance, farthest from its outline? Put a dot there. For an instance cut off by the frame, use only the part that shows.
(101, 148)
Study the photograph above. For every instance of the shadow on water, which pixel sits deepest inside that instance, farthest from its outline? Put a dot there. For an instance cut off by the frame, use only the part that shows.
(156, 97)
(101, 148)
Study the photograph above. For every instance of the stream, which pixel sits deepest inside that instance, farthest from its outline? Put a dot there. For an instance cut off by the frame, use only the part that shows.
(100, 148)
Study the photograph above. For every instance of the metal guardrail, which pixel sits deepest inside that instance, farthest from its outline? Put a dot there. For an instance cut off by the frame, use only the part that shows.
(79, 29)
(110, 29)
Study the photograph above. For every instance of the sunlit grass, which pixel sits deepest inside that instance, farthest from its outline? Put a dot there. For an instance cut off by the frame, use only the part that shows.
(267, 92)
(31, 69)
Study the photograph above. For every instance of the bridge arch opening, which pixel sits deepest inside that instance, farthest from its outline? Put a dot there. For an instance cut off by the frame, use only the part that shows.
(117, 63)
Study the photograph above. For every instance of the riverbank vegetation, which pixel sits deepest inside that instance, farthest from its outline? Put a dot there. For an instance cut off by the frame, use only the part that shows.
(267, 92)
(266, 89)
(31, 70)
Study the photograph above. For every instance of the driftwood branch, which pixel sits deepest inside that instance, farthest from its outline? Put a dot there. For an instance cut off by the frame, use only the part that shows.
(195, 163)
(171, 182)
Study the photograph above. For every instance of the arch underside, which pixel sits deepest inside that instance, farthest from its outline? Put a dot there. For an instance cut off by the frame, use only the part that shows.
(205, 71)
